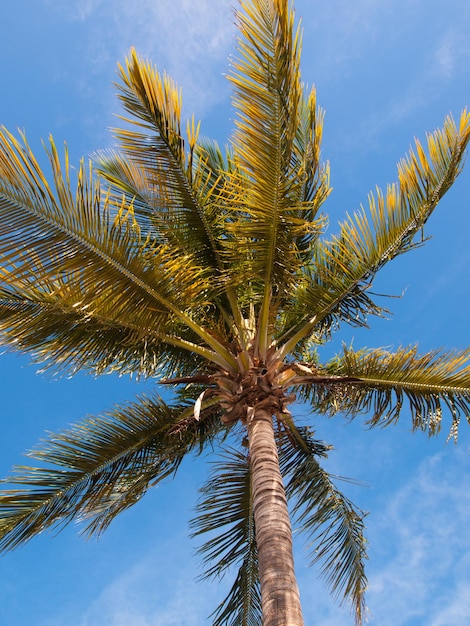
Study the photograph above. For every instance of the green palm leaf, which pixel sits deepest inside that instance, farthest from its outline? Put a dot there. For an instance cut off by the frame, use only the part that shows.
(242, 606)
(126, 180)
(65, 235)
(334, 525)
(65, 339)
(97, 469)
(171, 191)
(226, 504)
(430, 382)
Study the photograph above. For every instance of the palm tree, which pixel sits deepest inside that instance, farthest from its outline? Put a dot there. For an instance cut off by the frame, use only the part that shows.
(208, 270)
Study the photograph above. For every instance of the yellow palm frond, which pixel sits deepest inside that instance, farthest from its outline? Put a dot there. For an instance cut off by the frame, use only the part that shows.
(273, 214)
(343, 268)
(158, 151)
(128, 185)
(69, 246)
(65, 339)
(172, 190)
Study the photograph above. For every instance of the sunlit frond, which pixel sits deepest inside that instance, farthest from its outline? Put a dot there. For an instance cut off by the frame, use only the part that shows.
(174, 193)
(158, 151)
(334, 525)
(223, 186)
(225, 512)
(343, 268)
(273, 218)
(68, 242)
(430, 383)
(208, 269)
(96, 469)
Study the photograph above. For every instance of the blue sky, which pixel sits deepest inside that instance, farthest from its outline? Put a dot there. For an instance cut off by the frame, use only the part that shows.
(386, 71)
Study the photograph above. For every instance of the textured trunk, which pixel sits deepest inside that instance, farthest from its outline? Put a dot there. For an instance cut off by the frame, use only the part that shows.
(279, 592)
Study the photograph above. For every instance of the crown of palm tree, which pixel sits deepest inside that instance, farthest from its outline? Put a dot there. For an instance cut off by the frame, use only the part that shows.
(209, 269)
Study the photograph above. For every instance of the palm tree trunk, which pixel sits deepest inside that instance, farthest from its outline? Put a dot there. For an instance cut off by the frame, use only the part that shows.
(279, 592)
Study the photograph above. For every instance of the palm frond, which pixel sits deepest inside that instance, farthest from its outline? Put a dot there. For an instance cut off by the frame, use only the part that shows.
(430, 382)
(125, 179)
(275, 209)
(171, 191)
(96, 469)
(66, 245)
(343, 268)
(242, 606)
(154, 208)
(316, 174)
(64, 339)
(223, 183)
(335, 526)
(165, 168)
(226, 501)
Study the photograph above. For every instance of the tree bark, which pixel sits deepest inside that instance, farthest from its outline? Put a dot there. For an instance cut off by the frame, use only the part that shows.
(279, 592)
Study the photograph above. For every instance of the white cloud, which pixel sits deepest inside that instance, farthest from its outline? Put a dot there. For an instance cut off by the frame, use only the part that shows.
(76, 9)
(456, 608)
(420, 547)
(386, 62)
(156, 591)
(452, 52)
(190, 39)
(140, 599)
